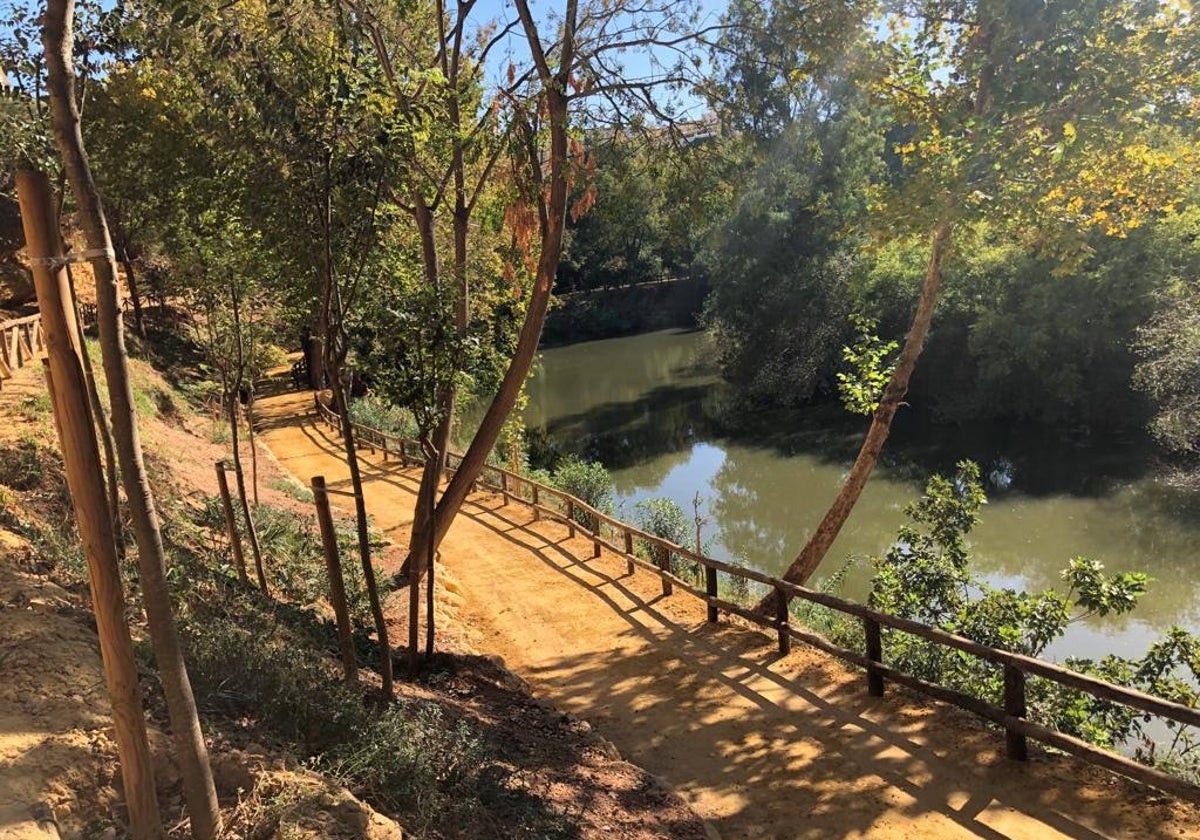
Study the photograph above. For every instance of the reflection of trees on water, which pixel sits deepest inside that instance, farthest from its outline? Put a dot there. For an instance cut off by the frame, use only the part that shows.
(662, 422)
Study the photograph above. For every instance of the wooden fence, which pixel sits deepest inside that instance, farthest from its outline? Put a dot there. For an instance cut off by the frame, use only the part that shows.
(21, 341)
(619, 537)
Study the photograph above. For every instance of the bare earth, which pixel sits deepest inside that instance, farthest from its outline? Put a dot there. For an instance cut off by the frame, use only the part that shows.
(763, 747)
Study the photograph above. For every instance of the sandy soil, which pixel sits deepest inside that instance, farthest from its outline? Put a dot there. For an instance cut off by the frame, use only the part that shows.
(763, 747)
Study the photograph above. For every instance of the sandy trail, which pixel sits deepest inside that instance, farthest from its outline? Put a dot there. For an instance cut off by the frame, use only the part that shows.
(762, 746)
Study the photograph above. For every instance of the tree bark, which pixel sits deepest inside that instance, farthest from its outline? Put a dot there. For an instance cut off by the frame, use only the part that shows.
(509, 391)
(81, 457)
(191, 752)
(364, 540)
(103, 424)
(240, 477)
(831, 524)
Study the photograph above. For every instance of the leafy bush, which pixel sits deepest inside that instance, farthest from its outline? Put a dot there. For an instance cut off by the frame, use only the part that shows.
(665, 520)
(374, 412)
(588, 481)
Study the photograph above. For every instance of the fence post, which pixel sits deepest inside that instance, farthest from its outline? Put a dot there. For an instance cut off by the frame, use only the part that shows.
(537, 514)
(783, 619)
(1014, 705)
(235, 541)
(875, 654)
(571, 516)
(710, 589)
(664, 563)
(403, 452)
(503, 487)
(337, 585)
(383, 446)
(628, 551)
(596, 536)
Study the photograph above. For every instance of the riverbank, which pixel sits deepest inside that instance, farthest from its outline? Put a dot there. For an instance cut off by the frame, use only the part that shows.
(762, 746)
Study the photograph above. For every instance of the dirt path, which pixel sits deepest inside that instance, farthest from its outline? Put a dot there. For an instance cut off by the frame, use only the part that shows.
(763, 747)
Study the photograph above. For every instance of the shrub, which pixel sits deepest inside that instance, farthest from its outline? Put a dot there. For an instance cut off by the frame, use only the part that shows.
(588, 482)
(373, 412)
(666, 520)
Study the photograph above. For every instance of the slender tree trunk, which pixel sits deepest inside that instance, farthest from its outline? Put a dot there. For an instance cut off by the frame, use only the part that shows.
(364, 538)
(139, 321)
(509, 391)
(191, 752)
(77, 438)
(240, 477)
(253, 447)
(103, 424)
(893, 395)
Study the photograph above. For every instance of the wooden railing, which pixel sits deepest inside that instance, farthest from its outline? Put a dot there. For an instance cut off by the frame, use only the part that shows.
(608, 532)
(21, 341)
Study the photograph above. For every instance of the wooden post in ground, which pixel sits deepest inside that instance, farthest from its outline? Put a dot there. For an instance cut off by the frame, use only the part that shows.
(537, 514)
(629, 551)
(337, 584)
(664, 563)
(875, 654)
(235, 541)
(710, 589)
(783, 620)
(1014, 704)
(596, 536)
(89, 497)
(504, 488)
(571, 517)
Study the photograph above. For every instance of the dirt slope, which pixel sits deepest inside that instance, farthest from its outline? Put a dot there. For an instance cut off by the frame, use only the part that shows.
(761, 746)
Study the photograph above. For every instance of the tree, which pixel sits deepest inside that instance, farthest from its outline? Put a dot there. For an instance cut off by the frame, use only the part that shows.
(1169, 343)
(1014, 111)
(192, 753)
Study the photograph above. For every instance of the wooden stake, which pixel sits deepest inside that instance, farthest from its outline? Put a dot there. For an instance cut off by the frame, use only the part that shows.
(235, 541)
(89, 497)
(337, 585)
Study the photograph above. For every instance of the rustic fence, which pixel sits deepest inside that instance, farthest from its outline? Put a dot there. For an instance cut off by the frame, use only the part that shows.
(21, 341)
(607, 532)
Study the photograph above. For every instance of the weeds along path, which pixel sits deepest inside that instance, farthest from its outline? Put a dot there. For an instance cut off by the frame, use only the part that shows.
(762, 746)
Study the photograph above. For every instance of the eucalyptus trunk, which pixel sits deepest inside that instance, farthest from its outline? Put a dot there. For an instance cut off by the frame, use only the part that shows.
(191, 752)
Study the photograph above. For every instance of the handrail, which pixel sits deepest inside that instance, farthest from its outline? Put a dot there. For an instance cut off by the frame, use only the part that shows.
(1016, 666)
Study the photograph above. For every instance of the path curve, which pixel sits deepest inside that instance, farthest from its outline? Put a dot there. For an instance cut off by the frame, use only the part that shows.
(762, 746)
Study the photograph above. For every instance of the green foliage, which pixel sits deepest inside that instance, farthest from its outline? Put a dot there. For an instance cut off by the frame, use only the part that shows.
(926, 576)
(587, 481)
(411, 759)
(372, 411)
(870, 367)
(666, 520)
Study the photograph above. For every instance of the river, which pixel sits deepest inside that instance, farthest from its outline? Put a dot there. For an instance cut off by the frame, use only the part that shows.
(652, 409)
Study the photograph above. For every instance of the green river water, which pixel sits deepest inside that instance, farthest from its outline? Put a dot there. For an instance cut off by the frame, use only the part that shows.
(654, 412)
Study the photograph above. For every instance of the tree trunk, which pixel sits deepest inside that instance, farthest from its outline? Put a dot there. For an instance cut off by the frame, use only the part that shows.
(81, 457)
(509, 391)
(191, 752)
(139, 321)
(103, 424)
(893, 395)
(240, 477)
(364, 538)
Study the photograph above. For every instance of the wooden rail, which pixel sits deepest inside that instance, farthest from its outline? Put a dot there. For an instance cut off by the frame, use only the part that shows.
(605, 531)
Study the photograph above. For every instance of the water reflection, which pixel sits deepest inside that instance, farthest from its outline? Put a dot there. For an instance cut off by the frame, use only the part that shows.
(649, 408)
